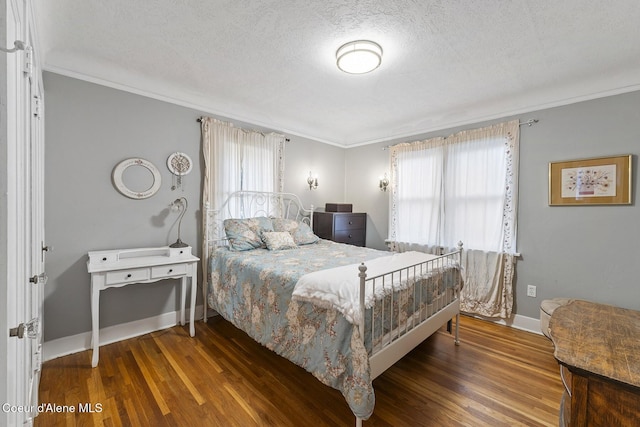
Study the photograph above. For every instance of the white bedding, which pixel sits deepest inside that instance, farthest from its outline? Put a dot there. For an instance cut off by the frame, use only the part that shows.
(339, 287)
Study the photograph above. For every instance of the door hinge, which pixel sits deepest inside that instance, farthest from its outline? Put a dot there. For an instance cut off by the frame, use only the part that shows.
(28, 60)
(35, 106)
(37, 361)
(45, 248)
(31, 329)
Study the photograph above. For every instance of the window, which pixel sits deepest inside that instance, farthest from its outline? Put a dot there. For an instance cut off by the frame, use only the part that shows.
(236, 159)
(462, 188)
(458, 188)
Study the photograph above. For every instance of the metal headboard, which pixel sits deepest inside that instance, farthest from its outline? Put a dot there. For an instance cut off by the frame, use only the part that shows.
(247, 204)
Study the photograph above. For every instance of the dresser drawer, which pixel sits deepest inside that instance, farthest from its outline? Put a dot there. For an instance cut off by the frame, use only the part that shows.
(348, 228)
(168, 270)
(124, 276)
(349, 222)
(352, 237)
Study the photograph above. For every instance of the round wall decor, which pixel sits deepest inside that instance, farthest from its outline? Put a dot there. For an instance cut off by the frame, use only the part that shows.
(121, 186)
(179, 164)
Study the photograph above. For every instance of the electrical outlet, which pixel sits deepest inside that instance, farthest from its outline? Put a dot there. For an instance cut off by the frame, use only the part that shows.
(531, 291)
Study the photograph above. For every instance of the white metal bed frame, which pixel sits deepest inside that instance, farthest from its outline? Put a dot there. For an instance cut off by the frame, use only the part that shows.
(396, 344)
(246, 204)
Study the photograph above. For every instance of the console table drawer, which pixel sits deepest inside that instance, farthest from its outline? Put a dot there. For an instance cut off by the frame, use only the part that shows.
(168, 270)
(124, 276)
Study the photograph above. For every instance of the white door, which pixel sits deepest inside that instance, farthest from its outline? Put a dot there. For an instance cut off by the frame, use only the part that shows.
(22, 263)
(36, 243)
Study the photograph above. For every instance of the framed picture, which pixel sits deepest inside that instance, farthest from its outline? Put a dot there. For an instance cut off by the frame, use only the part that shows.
(598, 181)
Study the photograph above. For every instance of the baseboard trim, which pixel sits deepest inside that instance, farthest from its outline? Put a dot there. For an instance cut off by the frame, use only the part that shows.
(517, 321)
(81, 342)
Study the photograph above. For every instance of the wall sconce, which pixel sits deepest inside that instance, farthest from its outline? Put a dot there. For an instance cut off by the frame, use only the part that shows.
(312, 181)
(384, 182)
(181, 205)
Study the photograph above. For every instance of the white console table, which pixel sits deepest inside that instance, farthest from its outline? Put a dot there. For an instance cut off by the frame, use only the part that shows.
(121, 267)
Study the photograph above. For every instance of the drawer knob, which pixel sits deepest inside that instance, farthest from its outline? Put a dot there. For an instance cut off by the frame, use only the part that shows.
(350, 222)
(171, 270)
(350, 235)
(104, 259)
(129, 276)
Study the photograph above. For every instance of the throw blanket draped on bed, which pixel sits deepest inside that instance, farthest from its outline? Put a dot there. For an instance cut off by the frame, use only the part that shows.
(339, 288)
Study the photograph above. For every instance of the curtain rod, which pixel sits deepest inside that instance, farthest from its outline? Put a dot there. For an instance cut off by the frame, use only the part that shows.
(529, 123)
(199, 120)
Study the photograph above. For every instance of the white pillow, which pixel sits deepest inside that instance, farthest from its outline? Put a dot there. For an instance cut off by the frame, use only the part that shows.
(301, 232)
(278, 240)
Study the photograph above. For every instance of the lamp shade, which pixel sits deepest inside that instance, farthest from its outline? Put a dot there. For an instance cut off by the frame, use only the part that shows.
(359, 57)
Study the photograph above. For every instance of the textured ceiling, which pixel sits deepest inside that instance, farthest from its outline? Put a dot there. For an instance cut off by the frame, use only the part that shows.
(272, 62)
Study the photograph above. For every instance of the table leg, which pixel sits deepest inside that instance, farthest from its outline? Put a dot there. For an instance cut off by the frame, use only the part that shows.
(95, 323)
(183, 298)
(194, 288)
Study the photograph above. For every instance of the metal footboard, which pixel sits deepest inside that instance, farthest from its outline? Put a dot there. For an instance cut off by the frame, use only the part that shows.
(412, 313)
(415, 302)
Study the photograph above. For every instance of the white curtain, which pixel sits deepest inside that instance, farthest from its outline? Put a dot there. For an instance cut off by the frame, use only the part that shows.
(462, 188)
(236, 159)
(417, 173)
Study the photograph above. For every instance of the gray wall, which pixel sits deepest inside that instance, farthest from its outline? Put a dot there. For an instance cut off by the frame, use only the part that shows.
(89, 129)
(582, 252)
(586, 252)
(327, 161)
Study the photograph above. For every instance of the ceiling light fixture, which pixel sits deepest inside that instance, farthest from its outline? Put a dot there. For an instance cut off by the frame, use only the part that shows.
(359, 57)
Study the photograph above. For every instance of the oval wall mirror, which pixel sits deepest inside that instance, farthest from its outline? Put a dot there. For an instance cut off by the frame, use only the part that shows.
(136, 178)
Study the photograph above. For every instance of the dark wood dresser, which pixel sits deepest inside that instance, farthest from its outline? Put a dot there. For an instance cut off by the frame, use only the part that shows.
(342, 227)
(598, 348)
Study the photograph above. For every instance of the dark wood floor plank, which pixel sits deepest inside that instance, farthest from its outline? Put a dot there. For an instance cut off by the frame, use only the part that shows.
(498, 376)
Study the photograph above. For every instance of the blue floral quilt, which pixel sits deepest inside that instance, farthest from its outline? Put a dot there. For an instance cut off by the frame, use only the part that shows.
(252, 289)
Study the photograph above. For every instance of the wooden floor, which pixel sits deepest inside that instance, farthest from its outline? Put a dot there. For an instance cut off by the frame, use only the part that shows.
(498, 376)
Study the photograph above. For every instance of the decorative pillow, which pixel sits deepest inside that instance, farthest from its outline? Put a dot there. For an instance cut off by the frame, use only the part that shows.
(304, 235)
(301, 232)
(245, 234)
(278, 240)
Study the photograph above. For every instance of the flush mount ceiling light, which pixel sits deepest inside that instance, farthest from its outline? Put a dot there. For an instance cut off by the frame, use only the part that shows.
(359, 57)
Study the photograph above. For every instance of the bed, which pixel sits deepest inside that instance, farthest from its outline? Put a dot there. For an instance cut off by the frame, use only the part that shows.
(343, 313)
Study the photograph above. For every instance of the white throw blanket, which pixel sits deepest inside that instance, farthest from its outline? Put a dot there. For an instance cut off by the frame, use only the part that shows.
(339, 287)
